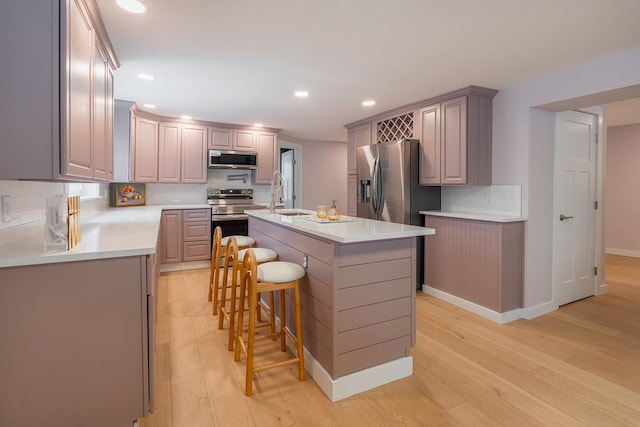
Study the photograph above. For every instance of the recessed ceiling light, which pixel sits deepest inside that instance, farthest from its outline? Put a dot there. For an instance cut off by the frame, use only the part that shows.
(145, 76)
(186, 117)
(301, 93)
(152, 106)
(133, 6)
(368, 103)
(258, 125)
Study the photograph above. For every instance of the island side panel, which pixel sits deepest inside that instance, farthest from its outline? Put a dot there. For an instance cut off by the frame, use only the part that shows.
(316, 287)
(72, 337)
(375, 303)
(512, 266)
(478, 261)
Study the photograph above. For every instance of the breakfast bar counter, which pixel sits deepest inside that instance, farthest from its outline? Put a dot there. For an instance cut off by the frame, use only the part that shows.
(358, 296)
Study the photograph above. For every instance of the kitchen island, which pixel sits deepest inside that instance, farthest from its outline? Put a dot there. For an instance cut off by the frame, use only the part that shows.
(358, 296)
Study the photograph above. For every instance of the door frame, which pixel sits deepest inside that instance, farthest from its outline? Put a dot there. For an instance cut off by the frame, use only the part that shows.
(599, 255)
(297, 175)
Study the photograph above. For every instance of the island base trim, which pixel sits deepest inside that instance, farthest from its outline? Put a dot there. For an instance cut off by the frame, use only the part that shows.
(501, 318)
(358, 382)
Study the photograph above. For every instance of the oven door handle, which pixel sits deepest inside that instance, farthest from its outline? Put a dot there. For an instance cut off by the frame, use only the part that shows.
(229, 217)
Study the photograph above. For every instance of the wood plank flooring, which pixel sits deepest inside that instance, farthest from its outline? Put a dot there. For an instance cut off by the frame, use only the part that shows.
(579, 365)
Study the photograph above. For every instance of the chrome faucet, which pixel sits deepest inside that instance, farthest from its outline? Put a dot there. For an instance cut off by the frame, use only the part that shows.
(276, 188)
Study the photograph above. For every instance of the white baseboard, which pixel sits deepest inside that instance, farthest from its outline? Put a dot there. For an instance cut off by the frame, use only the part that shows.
(623, 252)
(602, 289)
(494, 316)
(360, 381)
(179, 266)
(538, 310)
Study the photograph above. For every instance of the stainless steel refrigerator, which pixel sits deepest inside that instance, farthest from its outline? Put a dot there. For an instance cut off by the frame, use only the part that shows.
(389, 189)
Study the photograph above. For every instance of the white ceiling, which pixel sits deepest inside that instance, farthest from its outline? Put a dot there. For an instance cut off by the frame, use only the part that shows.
(239, 61)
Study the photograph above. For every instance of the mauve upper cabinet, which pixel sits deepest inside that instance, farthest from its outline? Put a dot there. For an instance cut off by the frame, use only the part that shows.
(56, 87)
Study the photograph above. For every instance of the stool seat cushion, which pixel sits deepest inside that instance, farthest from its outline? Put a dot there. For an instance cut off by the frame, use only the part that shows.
(279, 272)
(262, 254)
(242, 241)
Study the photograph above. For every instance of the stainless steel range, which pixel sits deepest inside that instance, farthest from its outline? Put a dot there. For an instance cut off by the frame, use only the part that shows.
(227, 209)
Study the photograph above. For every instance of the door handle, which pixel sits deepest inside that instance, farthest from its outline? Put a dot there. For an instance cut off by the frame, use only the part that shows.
(563, 217)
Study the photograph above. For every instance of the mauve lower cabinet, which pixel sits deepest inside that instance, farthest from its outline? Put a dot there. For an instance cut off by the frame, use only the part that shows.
(77, 342)
(478, 261)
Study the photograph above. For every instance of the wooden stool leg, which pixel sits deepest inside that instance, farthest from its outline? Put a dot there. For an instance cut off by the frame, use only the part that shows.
(216, 289)
(299, 346)
(251, 340)
(239, 339)
(272, 313)
(223, 299)
(210, 284)
(232, 312)
(283, 321)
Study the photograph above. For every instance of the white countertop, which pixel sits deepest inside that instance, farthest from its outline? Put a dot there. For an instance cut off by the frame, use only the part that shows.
(353, 231)
(118, 232)
(476, 216)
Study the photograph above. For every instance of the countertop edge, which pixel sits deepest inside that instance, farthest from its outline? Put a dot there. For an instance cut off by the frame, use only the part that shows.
(475, 216)
(343, 237)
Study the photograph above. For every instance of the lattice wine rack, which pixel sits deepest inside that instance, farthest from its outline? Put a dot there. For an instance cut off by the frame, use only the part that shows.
(396, 128)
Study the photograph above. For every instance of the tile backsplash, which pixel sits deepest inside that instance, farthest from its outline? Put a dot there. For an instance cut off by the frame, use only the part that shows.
(492, 199)
(26, 206)
(171, 194)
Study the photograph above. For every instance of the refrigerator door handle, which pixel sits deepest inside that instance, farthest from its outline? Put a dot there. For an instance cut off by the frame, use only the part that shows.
(377, 187)
(374, 185)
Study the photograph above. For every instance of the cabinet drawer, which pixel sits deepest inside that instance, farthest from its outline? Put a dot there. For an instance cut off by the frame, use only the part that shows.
(197, 215)
(195, 251)
(193, 231)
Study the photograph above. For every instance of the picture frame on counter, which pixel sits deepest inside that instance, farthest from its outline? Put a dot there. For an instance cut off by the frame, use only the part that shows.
(128, 194)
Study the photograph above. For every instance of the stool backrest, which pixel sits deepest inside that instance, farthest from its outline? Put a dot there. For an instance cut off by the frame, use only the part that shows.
(216, 254)
(249, 269)
(230, 257)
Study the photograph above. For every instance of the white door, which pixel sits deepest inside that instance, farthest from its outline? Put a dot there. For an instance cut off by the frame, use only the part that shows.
(574, 206)
(288, 166)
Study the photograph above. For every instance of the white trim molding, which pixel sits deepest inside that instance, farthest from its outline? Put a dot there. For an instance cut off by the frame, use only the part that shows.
(360, 381)
(494, 316)
(623, 252)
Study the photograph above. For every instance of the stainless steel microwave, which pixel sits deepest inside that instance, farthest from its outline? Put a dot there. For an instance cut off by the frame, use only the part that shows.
(232, 160)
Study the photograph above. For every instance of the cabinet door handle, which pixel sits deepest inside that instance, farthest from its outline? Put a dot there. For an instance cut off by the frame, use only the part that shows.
(563, 217)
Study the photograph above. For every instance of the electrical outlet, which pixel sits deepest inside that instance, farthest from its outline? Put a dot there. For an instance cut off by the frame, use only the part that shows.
(7, 208)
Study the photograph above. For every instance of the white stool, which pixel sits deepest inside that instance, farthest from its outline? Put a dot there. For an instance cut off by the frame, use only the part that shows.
(269, 277)
(243, 241)
(262, 254)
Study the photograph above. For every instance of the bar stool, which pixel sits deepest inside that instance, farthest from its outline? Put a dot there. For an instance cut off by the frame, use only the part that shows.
(271, 276)
(243, 241)
(231, 273)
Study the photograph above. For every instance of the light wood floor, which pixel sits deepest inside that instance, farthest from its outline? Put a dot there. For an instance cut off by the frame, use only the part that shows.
(579, 365)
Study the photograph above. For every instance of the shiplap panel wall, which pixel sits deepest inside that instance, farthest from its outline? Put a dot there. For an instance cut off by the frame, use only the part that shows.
(478, 261)
(316, 293)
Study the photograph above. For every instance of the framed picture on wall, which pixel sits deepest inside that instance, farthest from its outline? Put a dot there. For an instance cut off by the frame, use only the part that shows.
(128, 194)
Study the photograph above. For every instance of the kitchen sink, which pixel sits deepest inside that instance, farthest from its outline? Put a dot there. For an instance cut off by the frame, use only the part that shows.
(292, 213)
